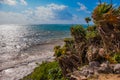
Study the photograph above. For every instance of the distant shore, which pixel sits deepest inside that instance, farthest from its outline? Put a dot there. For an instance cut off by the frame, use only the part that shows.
(15, 67)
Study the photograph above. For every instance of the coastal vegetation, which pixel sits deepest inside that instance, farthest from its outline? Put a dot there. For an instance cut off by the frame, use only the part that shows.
(87, 19)
(90, 50)
(46, 71)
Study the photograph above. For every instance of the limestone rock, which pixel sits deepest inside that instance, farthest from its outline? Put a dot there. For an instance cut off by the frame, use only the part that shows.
(87, 71)
(105, 68)
(101, 52)
(117, 69)
(76, 76)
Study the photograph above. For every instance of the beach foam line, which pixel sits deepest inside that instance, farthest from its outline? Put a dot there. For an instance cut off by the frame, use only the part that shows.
(26, 63)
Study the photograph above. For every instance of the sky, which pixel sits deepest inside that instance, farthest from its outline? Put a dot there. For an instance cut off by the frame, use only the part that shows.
(47, 11)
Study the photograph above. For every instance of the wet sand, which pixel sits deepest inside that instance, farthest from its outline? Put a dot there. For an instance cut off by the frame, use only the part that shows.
(16, 66)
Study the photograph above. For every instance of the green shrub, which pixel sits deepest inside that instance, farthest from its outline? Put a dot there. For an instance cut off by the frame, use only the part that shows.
(69, 40)
(91, 34)
(117, 57)
(91, 28)
(68, 47)
(46, 71)
(55, 74)
(78, 30)
(69, 44)
(59, 51)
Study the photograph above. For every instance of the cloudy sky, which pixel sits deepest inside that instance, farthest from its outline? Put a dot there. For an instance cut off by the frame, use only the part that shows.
(47, 11)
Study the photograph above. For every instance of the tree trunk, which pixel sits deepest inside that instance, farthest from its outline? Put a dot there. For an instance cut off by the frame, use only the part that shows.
(110, 37)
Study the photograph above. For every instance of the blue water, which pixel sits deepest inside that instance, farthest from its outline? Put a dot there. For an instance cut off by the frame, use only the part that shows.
(14, 38)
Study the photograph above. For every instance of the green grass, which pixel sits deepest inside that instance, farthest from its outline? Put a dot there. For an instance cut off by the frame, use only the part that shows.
(46, 71)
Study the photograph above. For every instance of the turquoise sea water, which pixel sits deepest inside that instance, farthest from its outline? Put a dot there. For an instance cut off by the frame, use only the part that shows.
(14, 38)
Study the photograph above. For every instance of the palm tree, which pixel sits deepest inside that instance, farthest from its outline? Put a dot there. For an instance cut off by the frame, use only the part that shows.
(87, 19)
(106, 17)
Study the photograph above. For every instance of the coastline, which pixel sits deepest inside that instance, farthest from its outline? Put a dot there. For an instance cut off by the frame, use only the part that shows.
(19, 66)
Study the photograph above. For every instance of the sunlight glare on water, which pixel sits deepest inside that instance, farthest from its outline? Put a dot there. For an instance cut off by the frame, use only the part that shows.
(17, 38)
(10, 38)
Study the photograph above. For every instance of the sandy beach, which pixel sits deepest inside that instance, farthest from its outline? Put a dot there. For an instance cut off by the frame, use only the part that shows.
(16, 66)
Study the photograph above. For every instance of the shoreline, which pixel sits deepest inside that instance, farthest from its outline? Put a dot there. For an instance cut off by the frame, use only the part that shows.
(22, 65)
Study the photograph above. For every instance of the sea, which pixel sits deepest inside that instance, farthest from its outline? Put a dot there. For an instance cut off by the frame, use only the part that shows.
(15, 38)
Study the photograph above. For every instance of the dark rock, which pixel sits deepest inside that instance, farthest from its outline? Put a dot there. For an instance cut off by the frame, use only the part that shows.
(117, 69)
(91, 69)
(87, 70)
(105, 68)
(94, 64)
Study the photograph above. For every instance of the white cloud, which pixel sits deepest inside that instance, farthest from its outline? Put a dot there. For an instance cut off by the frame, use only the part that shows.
(13, 2)
(82, 8)
(12, 18)
(48, 12)
(23, 2)
(51, 13)
(56, 7)
(9, 2)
